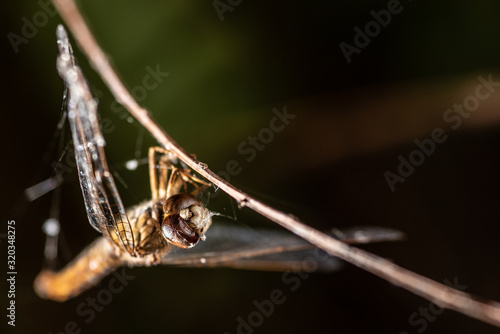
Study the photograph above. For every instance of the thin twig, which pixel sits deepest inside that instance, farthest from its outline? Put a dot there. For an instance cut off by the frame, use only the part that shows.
(438, 293)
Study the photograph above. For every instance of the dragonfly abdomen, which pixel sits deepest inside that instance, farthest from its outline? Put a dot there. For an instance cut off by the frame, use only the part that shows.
(88, 269)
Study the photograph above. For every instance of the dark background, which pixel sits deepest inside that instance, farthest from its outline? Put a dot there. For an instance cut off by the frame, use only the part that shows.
(327, 166)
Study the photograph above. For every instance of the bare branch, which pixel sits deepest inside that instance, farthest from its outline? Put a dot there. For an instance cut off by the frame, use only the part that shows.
(438, 293)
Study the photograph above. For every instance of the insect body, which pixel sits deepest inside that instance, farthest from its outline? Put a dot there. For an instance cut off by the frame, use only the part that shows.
(173, 217)
(165, 229)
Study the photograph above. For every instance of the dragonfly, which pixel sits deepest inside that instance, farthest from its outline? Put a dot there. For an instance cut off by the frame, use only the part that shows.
(173, 228)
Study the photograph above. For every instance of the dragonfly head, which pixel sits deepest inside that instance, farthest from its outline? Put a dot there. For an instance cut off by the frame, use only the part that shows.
(185, 220)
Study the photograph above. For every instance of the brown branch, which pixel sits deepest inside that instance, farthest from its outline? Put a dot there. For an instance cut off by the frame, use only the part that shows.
(438, 293)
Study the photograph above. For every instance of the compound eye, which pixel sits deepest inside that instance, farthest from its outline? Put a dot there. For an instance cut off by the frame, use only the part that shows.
(186, 220)
(176, 230)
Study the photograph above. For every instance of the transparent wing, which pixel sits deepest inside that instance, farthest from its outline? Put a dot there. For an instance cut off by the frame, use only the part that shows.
(102, 201)
(244, 248)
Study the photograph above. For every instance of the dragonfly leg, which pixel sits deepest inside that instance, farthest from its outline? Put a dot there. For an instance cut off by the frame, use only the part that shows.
(165, 183)
(198, 183)
(158, 180)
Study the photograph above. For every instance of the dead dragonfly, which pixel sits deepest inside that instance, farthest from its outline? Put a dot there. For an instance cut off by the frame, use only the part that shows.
(163, 230)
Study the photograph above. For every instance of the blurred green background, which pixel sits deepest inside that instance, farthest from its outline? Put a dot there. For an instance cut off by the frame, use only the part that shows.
(326, 167)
